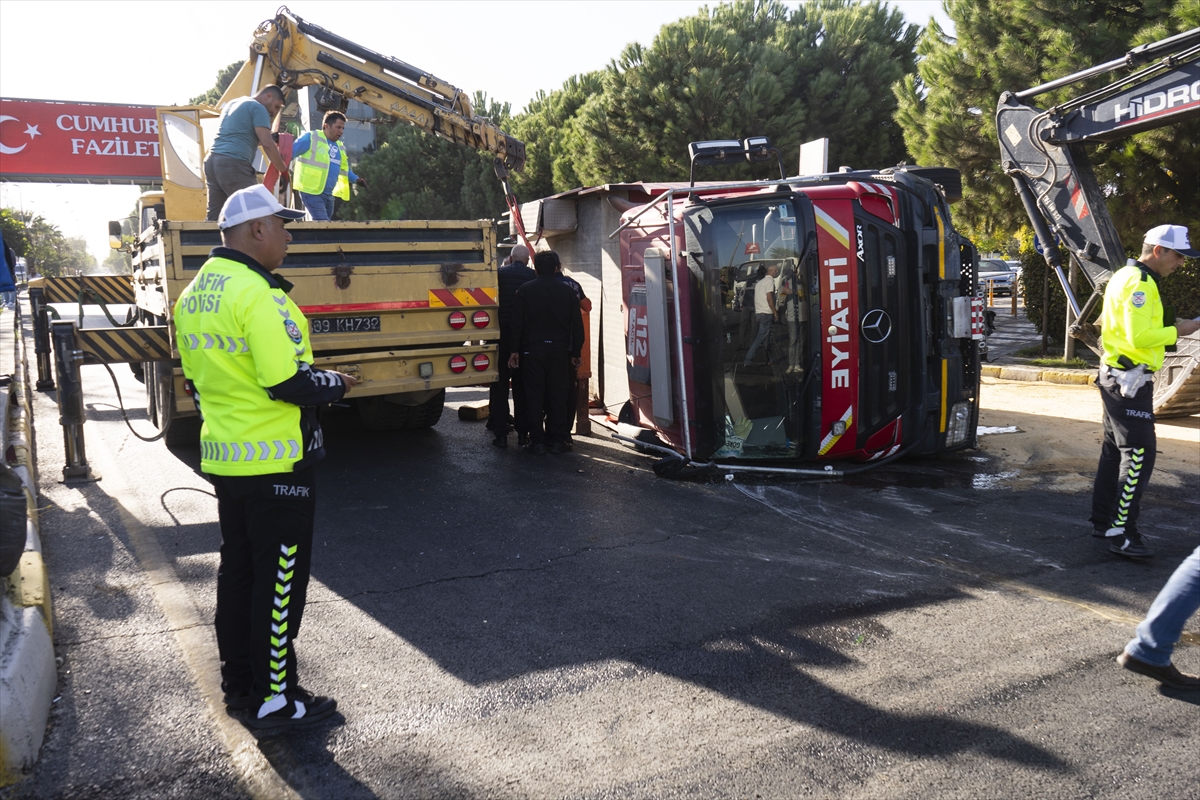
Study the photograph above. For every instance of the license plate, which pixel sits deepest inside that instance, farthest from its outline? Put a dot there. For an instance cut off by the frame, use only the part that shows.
(344, 325)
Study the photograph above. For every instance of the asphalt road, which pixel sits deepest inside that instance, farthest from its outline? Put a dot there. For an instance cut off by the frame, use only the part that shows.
(496, 624)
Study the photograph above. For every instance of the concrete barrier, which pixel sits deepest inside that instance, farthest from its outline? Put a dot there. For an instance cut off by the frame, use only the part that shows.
(1034, 374)
(28, 673)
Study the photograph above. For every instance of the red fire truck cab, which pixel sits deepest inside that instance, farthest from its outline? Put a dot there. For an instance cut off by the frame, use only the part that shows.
(855, 285)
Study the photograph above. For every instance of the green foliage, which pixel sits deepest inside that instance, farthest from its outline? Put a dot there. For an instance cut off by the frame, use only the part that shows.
(225, 77)
(43, 246)
(118, 262)
(414, 175)
(1182, 289)
(14, 231)
(1033, 272)
(546, 127)
(747, 68)
(754, 67)
(1073, 363)
(947, 112)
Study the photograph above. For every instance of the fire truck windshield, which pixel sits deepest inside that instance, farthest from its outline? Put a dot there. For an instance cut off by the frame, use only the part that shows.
(754, 255)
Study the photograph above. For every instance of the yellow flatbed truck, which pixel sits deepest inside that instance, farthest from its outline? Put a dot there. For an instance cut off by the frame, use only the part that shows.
(408, 307)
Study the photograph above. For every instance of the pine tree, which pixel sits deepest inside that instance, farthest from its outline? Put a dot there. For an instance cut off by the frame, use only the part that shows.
(416, 175)
(747, 68)
(947, 112)
(225, 77)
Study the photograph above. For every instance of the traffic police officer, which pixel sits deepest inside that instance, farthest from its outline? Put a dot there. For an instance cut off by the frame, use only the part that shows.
(245, 351)
(1135, 338)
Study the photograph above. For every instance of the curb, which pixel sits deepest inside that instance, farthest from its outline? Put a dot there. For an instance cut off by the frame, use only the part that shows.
(1036, 375)
(28, 672)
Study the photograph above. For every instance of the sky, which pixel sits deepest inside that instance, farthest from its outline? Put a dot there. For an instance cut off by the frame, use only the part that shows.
(165, 53)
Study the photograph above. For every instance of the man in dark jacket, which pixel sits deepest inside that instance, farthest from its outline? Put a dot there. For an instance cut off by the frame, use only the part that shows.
(511, 277)
(585, 305)
(549, 329)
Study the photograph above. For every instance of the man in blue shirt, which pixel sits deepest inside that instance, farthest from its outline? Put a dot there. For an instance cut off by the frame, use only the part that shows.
(244, 126)
(322, 169)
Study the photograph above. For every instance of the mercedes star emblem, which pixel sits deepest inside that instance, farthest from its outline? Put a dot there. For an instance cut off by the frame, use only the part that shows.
(876, 326)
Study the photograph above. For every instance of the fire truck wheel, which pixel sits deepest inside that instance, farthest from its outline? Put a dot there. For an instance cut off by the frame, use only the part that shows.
(378, 413)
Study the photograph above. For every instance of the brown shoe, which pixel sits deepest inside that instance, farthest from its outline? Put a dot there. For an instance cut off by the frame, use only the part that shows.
(1167, 676)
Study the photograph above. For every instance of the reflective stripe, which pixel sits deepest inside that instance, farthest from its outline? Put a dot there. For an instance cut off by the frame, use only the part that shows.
(1136, 456)
(230, 344)
(248, 451)
(312, 168)
(279, 626)
(253, 434)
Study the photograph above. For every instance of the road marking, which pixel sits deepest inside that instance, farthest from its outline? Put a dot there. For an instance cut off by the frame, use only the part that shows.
(197, 642)
(801, 515)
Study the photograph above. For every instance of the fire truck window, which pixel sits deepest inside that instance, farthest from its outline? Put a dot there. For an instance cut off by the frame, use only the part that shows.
(764, 356)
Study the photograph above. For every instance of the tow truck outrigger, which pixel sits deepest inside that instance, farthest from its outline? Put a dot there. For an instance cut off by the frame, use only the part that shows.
(1043, 152)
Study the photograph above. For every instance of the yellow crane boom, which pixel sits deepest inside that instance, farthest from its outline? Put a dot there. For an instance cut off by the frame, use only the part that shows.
(292, 53)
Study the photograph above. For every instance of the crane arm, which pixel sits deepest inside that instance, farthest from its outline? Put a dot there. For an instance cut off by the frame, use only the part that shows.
(293, 53)
(1043, 150)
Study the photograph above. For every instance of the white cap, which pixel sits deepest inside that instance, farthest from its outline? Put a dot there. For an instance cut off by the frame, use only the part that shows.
(253, 202)
(1174, 237)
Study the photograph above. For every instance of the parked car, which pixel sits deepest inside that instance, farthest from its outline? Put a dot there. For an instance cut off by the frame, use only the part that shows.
(999, 276)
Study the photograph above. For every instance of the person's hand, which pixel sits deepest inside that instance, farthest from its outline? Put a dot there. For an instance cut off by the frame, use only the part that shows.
(1186, 327)
(514, 360)
(349, 380)
(363, 183)
(575, 362)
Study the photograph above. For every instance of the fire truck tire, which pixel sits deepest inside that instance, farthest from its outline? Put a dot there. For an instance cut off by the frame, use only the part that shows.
(378, 413)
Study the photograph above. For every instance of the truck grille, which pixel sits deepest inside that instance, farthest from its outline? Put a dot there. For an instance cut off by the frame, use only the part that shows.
(883, 380)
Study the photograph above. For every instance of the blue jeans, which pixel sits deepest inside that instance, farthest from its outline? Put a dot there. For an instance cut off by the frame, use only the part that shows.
(320, 206)
(764, 329)
(1159, 632)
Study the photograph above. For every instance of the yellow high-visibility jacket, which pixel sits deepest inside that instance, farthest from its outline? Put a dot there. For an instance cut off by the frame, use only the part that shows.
(312, 169)
(245, 348)
(1132, 319)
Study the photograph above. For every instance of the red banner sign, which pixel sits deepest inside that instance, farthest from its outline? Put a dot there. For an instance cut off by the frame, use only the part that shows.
(46, 140)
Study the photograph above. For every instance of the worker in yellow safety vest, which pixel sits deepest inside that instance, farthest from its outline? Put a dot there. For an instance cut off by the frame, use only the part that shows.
(244, 346)
(1135, 337)
(315, 177)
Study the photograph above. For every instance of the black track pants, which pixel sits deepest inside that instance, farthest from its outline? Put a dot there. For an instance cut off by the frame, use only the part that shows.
(1127, 457)
(498, 417)
(262, 582)
(546, 369)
